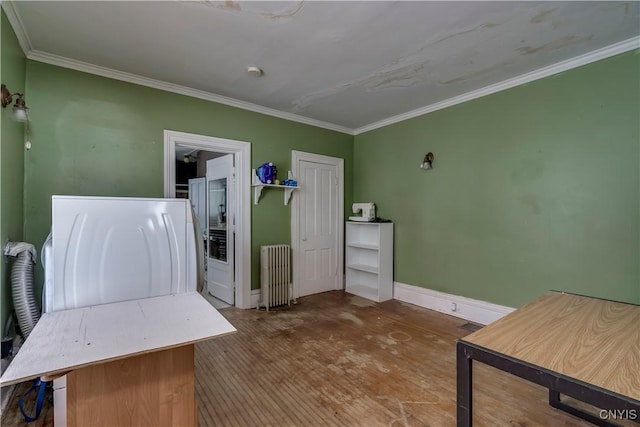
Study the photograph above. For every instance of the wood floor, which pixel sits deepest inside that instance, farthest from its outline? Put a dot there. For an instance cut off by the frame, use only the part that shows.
(338, 360)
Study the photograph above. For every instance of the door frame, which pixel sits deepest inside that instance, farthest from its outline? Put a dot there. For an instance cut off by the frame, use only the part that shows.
(242, 159)
(296, 158)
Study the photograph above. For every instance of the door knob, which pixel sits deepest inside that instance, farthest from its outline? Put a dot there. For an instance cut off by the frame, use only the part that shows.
(304, 239)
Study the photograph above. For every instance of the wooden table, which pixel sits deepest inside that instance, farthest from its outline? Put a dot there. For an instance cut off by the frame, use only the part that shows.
(130, 363)
(583, 347)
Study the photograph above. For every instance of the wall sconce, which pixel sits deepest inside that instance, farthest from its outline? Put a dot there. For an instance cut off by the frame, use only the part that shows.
(19, 108)
(427, 162)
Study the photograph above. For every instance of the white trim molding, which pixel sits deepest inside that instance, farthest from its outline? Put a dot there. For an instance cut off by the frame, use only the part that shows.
(18, 26)
(255, 297)
(86, 67)
(242, 160)
(466, 308)
(578, 61)
(296, 158)
(61, 61)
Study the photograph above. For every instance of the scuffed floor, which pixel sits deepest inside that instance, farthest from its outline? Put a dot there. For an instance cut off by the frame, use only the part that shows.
(339, 360)
(12, 416)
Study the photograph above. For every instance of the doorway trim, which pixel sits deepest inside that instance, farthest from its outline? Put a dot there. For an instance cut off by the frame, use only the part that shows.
(296, 158)
(242, 157)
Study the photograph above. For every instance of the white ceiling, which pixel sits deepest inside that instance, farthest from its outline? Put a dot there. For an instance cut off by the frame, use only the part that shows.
(346, 64)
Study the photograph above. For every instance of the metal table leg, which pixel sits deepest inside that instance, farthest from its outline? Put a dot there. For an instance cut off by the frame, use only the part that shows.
(464, 386)
(554, 401)
(553, 381)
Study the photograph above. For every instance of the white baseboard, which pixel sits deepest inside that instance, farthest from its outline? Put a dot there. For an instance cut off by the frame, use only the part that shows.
(255, 297)
(477, 311)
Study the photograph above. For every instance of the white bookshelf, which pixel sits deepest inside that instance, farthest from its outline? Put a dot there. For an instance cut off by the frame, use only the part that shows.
(369, 260)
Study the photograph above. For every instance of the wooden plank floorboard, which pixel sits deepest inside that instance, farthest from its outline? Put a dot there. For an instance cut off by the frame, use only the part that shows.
(339, 360)
(336, 359)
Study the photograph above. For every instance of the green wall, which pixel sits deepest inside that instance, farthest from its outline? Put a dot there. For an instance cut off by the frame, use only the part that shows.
(534, 188)
(12, 73)
(97, 136)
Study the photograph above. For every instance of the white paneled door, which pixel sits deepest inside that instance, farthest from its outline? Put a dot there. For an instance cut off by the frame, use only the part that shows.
(319, 220)
(220, 228)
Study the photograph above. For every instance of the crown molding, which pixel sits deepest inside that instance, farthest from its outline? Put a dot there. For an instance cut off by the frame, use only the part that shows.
(17, 25)
(86, 67)
(578, 61)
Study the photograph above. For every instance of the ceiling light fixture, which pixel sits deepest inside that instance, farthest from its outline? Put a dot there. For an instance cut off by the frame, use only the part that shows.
(255, 71)
(187, 156)
(19, 109)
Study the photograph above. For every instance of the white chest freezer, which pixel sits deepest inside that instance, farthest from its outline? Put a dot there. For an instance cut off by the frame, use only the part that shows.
(110, 249)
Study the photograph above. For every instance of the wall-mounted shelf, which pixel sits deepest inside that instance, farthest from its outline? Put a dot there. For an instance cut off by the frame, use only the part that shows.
(258, 186)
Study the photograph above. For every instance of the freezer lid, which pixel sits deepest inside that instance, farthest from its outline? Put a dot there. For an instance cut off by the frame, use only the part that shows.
(109, 249)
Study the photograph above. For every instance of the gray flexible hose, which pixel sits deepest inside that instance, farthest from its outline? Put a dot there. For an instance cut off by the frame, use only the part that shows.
(24, 299)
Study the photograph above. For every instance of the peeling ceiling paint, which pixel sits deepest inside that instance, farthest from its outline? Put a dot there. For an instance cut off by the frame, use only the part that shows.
(346, 63)
(555, 44)
(396, 74)
(546, 16)
(286, 13)
(281, 10)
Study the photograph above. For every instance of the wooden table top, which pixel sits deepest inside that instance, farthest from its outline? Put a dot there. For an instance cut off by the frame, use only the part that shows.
(589, 339)
(70, 339)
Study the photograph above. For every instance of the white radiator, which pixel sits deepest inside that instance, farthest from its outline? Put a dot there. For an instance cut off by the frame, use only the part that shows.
(275, 275)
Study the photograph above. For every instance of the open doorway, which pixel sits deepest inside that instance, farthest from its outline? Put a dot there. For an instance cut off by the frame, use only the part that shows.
(207, 179)
(185, 169)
